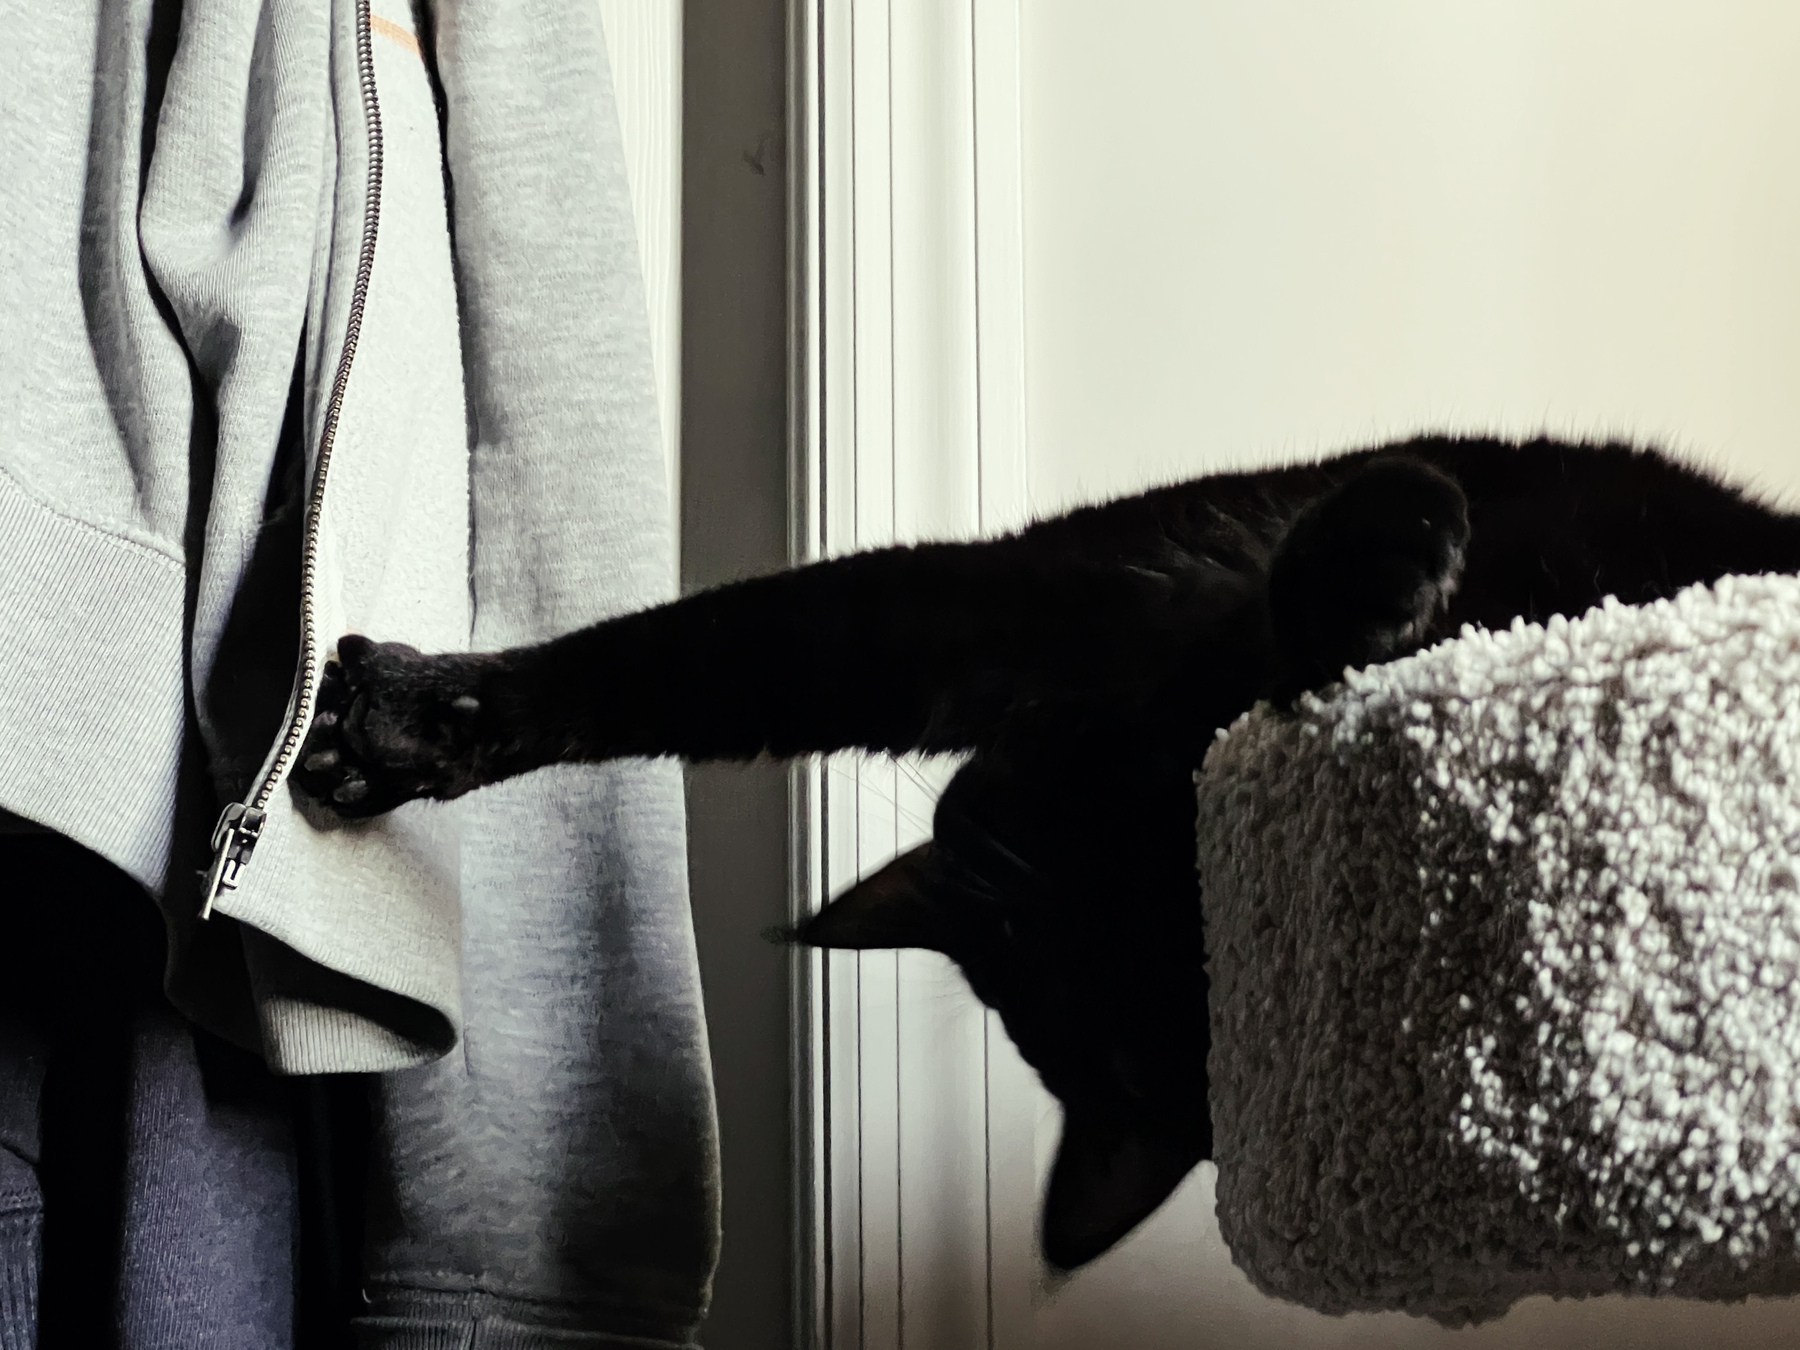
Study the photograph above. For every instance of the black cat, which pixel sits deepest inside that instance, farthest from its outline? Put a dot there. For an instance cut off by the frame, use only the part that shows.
(1085, 663)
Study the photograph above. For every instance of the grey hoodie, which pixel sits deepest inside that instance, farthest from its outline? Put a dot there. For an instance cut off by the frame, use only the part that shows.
(236, 238)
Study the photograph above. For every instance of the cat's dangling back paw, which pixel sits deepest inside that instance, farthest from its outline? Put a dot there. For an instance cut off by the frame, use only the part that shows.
(1364, 571)
(391, 724)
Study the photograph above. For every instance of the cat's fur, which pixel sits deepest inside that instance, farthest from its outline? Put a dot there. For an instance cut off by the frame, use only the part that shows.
(1085, 663)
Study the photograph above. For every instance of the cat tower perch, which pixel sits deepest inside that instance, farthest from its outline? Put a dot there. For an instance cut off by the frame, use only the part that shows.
(1503, 939)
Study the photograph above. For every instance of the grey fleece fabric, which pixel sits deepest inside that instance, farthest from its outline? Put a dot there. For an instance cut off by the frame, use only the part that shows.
(162, 268)
(185, 207)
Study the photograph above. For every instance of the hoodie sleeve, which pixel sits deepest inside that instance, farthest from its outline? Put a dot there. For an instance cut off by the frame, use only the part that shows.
(554, 1180)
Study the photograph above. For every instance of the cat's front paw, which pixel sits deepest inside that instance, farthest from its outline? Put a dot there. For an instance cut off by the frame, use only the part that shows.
(390, 725)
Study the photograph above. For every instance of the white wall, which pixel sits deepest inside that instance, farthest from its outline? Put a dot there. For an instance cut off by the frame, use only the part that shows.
(1263, 228)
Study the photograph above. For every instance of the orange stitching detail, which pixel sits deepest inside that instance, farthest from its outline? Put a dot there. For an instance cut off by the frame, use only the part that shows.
(393, 31)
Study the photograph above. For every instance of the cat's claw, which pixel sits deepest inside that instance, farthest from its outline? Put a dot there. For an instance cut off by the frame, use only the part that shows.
(390, 725)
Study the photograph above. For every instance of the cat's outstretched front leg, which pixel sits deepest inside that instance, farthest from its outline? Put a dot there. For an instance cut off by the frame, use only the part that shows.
(926, 648)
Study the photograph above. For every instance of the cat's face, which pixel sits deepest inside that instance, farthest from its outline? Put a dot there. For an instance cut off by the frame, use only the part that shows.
(1086, 940)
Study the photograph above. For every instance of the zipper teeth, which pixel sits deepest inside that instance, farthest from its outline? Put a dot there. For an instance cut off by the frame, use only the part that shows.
(359, 295)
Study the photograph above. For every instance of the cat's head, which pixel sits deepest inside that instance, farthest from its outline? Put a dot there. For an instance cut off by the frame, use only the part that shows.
(1094, 964)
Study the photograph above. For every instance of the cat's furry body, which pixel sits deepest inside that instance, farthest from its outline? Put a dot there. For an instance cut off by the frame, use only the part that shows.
(1085, 663)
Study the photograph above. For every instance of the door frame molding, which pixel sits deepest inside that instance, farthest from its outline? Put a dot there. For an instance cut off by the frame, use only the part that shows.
(907, 417)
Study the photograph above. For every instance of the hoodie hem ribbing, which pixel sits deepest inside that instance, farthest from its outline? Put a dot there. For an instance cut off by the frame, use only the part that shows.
(88, 607)
(410, 1318)
(407, 1333)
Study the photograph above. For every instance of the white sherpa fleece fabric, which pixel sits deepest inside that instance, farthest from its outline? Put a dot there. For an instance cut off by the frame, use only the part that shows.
(1503, 939)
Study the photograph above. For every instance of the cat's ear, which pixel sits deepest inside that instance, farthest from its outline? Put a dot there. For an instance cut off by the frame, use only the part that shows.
(1108, 1178)
(891, 908)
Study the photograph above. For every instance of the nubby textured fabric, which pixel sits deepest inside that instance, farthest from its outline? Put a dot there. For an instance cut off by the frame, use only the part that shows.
(1503, 939)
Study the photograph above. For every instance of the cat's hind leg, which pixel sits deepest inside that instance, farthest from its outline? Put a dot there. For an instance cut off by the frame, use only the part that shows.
(1364, 571)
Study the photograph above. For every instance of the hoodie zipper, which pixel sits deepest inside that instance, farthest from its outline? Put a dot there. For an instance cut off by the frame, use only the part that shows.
(234, 838)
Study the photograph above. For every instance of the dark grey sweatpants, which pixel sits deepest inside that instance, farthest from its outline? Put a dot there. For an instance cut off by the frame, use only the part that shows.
(148, 1175)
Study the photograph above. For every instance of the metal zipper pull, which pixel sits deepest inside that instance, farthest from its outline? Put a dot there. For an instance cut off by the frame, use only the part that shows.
(233, 841)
